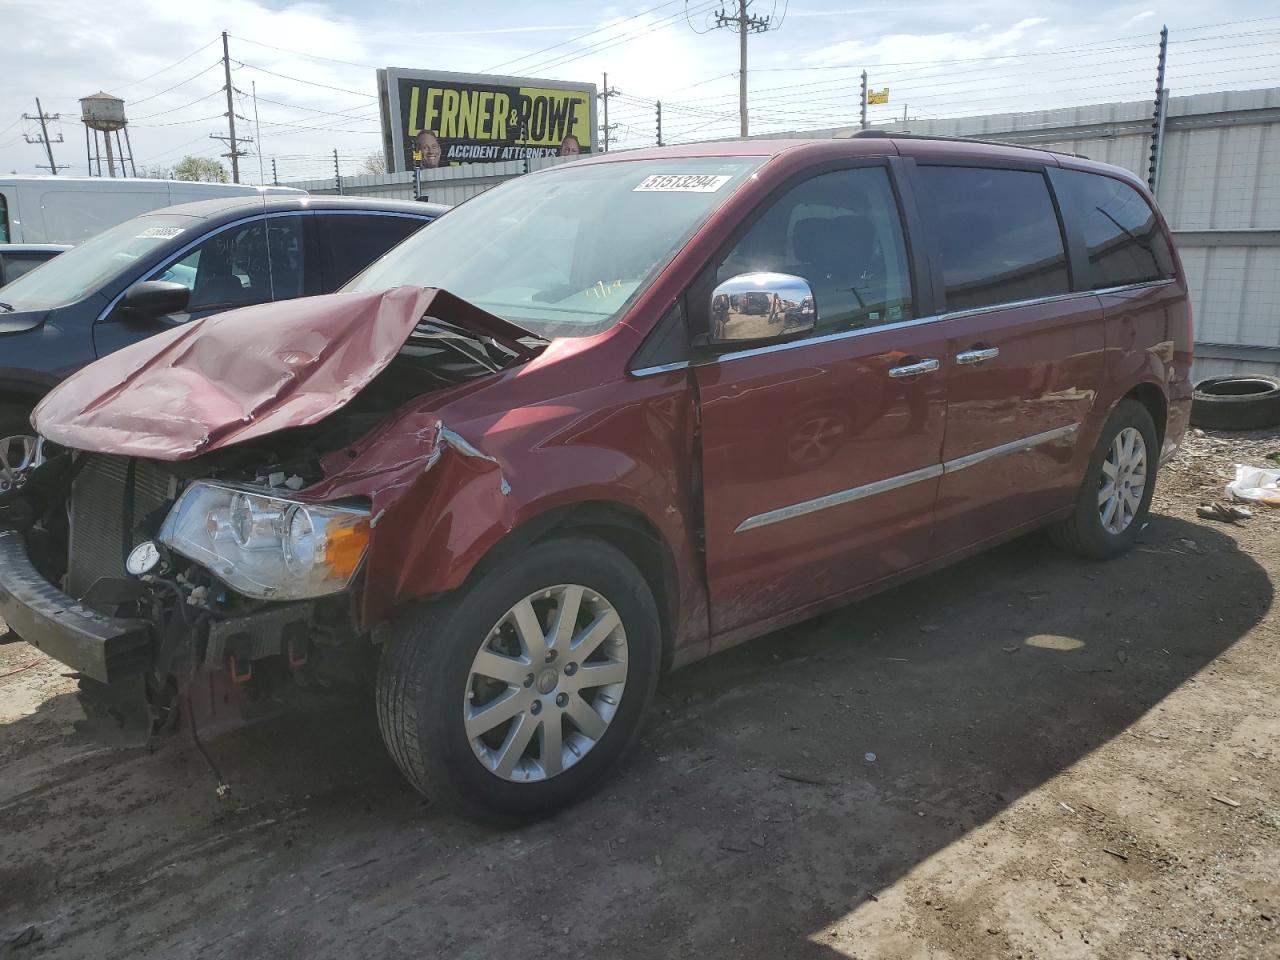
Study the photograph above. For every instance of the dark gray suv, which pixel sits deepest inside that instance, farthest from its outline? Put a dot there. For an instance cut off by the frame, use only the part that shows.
(170, 266)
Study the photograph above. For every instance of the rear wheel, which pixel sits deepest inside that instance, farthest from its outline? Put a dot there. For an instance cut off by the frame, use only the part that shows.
(1116, 493)
(514, 698)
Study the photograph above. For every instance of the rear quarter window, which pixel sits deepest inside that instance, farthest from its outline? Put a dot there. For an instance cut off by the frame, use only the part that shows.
(19, 264)
(997, 234)
(1121, 232)
(352, 241)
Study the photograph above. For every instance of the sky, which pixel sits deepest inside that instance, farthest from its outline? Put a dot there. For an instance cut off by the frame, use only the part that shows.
(312, 64)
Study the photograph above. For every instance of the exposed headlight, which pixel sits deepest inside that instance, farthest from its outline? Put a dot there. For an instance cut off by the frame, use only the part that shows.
(266, 547)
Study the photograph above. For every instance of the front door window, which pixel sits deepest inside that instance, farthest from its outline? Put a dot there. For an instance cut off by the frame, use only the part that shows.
(249, 263)
(840, 232)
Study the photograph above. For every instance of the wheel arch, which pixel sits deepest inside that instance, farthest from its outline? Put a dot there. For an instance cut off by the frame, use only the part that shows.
(621, 526)
(21, 393)
(1152, 397)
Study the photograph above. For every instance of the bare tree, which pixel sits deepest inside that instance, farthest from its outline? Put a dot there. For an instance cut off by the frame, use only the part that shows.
(374, 163)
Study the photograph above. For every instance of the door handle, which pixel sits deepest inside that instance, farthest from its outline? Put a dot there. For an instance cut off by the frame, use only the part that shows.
(914, 369)
(978, 355)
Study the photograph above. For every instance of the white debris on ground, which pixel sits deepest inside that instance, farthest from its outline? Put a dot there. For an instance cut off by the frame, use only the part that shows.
(1206, 462)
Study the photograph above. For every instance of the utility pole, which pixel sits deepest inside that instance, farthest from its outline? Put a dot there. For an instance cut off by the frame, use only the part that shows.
(744, 24)
(605, 94)
(337, 174)
(257, 132)
(1158, 113)
(660, 143)
(43, 139)
(864, 100)
(233, 142)
(275, 180)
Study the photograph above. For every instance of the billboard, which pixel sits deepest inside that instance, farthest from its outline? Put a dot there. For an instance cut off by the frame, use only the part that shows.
(434, 118)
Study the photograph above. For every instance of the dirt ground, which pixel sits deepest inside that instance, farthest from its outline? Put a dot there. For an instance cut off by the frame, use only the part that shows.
(1023, 756)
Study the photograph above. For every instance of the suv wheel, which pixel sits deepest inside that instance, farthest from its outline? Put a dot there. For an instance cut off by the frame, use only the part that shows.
(17, 444)
(1116, 493)
(515, 697)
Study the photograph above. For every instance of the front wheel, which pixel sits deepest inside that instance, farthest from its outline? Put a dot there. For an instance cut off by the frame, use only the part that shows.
(1116, 493)
(514, 698)
(17, 444)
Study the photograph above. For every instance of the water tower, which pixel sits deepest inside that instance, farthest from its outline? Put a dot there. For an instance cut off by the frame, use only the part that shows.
(104, 114)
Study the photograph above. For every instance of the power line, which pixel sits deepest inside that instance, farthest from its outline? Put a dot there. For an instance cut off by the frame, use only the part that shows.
(309, 56)
(581, 36)
(327, 113)
(181, 83)
(173, 150)
(184, 106)
(611, 42)
(311, 83)
(177, 63)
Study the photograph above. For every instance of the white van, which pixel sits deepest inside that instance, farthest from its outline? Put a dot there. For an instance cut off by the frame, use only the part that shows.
(71, 209)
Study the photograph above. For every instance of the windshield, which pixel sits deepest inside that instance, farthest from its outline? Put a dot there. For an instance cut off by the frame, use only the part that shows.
(82, 269)
(561, 253)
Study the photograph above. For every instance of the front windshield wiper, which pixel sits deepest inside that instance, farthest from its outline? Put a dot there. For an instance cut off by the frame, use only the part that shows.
(7, 307)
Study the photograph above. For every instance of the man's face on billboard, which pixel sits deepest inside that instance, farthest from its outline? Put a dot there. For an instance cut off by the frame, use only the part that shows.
(428, 148)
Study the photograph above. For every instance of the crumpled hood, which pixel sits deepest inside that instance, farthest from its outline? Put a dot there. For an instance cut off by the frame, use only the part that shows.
(247, 373)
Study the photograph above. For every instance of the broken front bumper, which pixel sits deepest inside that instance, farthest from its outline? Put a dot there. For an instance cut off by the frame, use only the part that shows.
(103, 648)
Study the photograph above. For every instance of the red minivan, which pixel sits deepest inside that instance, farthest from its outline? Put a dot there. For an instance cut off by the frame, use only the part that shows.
(600, 422)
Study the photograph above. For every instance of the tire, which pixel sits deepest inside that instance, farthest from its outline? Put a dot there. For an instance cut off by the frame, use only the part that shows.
(15, 425)
(1085, 533)
(1236, 403)
(427, 683)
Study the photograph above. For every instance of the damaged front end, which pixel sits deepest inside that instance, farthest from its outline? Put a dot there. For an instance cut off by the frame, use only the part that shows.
(182, 521)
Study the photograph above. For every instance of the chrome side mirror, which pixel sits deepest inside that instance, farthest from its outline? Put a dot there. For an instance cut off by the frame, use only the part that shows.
(760, 306)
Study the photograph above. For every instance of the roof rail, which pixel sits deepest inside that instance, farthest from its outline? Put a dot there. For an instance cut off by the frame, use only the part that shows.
(892, 135)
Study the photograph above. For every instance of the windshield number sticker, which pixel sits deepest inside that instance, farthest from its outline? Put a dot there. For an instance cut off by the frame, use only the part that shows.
(159, 233)
(682, 183)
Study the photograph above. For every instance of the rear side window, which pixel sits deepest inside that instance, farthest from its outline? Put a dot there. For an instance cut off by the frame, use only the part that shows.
(352, 241)
(4, 219)
(998, 235)
(1125, 242)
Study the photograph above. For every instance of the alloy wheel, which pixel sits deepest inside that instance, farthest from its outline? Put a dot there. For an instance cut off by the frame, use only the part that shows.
(546, 683)
(16, 455)
(1123, 480)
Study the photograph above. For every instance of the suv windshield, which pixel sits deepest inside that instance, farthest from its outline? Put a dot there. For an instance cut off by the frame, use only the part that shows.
(80, 270)
(561, 253)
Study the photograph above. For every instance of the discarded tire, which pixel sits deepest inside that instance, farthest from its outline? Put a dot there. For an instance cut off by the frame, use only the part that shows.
(1236, 403)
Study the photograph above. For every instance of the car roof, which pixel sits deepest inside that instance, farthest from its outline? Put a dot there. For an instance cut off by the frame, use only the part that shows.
(877, 143)
(34, 247)
(231, 207)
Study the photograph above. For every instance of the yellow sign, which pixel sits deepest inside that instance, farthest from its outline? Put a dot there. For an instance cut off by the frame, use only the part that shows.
(878, 96)
(447, 123)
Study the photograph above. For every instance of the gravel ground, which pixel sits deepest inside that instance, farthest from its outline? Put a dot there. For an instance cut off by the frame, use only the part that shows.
(1022, 756)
